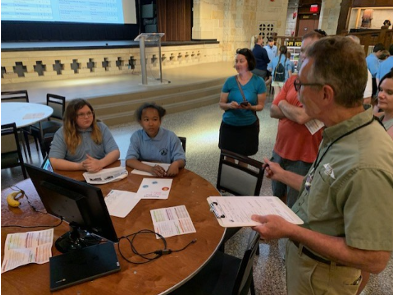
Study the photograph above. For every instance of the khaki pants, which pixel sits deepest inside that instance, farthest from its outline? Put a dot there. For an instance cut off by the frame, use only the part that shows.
(306, 276)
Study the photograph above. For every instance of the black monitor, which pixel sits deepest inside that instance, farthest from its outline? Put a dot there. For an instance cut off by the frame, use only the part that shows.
(80, 204)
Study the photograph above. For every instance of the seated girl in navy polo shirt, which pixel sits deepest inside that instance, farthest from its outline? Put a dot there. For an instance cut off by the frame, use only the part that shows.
(154, 144)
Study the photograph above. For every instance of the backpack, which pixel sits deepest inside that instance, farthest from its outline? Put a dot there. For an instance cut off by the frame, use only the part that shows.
(280, 70)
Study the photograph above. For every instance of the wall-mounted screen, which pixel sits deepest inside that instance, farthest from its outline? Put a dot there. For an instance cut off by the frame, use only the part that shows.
(71, 11)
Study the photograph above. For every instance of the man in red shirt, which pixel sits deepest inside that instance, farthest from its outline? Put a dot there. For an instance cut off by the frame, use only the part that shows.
(295, 147)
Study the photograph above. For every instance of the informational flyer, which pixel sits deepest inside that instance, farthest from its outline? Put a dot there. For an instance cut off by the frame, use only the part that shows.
(152, 188)
(29, 247)
(120, 203)
(106, 175)
(314, 125)
(172, 221)
(165, 166)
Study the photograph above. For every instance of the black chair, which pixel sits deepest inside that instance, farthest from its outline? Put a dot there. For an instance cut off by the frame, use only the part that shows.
(11, 155)
(238, 180)
(15, 96)
(45, 144)
(55, 121)
(183, 142)
(224, 274)
(19, 96)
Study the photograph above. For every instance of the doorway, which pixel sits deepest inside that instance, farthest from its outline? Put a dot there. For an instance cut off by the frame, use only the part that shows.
(306, 25)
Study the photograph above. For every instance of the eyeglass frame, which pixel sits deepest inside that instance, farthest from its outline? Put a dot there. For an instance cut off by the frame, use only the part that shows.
(297, 84)
(87, 114)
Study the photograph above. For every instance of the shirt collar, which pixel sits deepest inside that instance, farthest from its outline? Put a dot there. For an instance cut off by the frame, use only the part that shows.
(158, 137)
(333, 132)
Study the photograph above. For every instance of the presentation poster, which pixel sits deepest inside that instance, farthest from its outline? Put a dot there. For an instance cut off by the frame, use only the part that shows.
(79, 11)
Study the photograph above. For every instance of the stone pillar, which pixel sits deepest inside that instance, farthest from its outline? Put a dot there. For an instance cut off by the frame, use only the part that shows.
(329, 15)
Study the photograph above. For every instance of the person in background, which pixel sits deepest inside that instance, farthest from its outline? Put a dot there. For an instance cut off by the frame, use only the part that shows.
(261, 57)
(154, 144)
(291, 62)
(373, 64)
(274, 67)
(368, 88)
(82, 143)
(239, 130)
(385, 66)
(271, 48)
(345, 200)
(295, 147)
(385, 101)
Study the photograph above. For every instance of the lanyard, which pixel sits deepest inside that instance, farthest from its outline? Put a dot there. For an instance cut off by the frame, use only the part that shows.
(309, 178)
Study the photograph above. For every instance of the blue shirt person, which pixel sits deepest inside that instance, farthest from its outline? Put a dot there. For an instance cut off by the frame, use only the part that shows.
(154, 143)
(82, 143)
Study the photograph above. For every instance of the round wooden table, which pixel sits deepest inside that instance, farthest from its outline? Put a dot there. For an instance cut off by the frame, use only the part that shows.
(156, 277)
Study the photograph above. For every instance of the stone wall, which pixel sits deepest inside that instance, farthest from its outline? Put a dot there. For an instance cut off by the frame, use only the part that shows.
(25, 66)
(234, 22)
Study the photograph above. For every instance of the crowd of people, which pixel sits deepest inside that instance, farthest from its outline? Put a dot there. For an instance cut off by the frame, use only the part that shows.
(337, 178)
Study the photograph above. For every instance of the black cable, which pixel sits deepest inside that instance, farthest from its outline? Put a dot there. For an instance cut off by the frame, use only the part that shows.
(149, 256)
(28, 201)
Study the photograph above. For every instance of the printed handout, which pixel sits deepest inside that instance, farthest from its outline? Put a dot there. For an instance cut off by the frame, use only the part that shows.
(106, 175)
(29, 247)
(172, 221)
(138, 172)
(151, 188)
(120, 203)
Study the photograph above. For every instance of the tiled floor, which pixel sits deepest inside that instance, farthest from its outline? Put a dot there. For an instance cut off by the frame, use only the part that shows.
(201, 126)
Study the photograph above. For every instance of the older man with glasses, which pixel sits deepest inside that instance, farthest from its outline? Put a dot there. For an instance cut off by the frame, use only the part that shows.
(345, 199)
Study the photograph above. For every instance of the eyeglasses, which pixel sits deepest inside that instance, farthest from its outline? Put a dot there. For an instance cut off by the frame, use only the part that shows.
(87, 114)
(298, 84)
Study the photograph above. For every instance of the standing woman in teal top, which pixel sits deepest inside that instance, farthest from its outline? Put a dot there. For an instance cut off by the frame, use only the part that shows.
(239, 130)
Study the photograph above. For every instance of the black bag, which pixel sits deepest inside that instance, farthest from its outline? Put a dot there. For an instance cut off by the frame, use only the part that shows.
(280, 70)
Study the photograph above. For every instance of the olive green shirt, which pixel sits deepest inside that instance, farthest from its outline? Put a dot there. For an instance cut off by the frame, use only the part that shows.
(351, 193)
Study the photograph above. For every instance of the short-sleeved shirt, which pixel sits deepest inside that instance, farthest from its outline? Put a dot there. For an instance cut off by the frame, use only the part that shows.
(252, 89)
(285, 62)
(384, 67)
(290, 132)
(372, 64)
(261, 57)
(351, 193)
(88, 146)
(165, 147)
(271, 51)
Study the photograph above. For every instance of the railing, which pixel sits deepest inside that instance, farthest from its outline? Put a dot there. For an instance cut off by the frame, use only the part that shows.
(367, 38)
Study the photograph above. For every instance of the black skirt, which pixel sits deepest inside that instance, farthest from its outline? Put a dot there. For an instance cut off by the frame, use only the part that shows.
(243, 140)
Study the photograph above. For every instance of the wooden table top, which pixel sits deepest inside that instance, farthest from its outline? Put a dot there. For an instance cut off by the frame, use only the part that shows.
(156, 277)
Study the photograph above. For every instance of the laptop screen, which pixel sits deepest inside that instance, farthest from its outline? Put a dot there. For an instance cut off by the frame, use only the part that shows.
(46, 164)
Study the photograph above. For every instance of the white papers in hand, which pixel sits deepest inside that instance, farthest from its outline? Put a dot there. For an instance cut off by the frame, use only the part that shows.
(29, 247)
(172, 221)
(120, 203)
(151, 188)
(106, 175)
(236, 211)
(314, 125)
(165, 166)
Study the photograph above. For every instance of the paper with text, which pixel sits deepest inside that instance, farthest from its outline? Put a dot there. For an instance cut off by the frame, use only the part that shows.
(33, 116)
(172, 221)
(29, 247)
(314, 125)
(120, 203)
(151, 188)
(138, 172)
(236, 211)
(106, 175)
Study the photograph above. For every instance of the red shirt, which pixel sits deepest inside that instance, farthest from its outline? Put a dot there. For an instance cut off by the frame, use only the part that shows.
(293, 140)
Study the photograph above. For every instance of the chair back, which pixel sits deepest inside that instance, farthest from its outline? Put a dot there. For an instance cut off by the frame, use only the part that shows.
(58, 104)
(239, 180)
(183, 142)
(244, 278)
(45, 144)
(15, 96)
(11, 155)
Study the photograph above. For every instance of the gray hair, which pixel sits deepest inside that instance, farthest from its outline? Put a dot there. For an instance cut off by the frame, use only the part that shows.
(340, 64)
